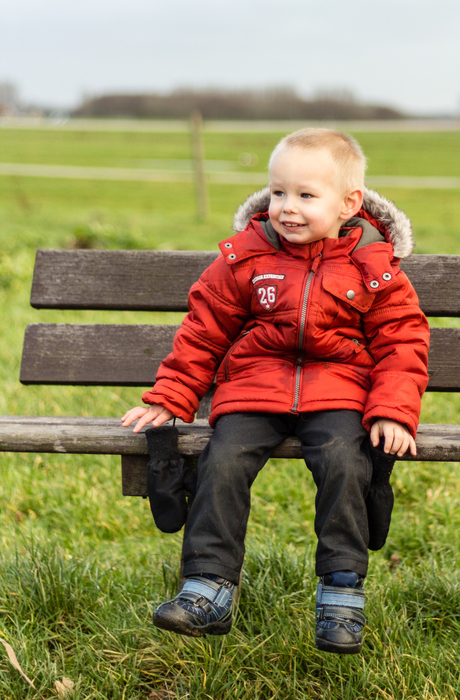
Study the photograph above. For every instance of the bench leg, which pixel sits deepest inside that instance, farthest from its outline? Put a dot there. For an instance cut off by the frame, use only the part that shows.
(134, 475)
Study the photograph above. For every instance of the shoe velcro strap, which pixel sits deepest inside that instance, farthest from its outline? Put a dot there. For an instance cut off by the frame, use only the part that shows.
(341, 614)
(336, 595)
(215, 593)
(223, 597)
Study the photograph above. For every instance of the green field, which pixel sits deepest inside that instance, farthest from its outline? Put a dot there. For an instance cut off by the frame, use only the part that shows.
(389, 153)
(82, 567)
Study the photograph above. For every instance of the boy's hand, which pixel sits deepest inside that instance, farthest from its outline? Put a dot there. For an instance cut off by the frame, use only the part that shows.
(397, 437)
(155, 414)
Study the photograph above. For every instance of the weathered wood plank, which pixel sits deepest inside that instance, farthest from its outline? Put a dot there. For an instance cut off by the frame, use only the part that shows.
(134, 474)
(160, 280)
(95, 354)
(444, 359)
(82, 435)
(107, 436)
(436, 280)
(116, 279)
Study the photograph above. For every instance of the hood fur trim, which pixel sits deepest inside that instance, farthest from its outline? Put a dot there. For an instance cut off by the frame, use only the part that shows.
(397, 223)
(255, 203)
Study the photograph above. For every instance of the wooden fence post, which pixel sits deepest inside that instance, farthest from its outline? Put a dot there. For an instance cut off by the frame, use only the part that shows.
(196, 124)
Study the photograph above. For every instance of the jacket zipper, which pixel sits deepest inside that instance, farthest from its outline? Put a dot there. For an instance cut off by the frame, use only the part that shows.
(303, 323)
(231, 349)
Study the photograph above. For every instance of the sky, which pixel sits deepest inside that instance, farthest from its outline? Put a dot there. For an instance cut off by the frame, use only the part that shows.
(402, 53)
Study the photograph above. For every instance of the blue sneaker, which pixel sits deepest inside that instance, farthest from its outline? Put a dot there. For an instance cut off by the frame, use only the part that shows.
(204, 606)
(339, 618)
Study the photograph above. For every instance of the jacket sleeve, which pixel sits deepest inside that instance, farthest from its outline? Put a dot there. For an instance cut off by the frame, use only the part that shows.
(215, 318)
(398, 332)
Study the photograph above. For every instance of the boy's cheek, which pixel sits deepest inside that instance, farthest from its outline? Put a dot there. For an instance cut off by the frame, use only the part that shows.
(273, 211)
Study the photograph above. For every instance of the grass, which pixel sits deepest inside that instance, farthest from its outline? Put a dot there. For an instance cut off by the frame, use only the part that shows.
(81, 567)
(388, 153)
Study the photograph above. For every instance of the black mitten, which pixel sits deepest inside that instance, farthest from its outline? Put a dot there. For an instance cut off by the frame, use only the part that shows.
(380, 499)
(168, 478)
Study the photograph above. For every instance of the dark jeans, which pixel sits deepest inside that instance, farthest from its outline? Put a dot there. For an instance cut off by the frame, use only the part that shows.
(335, 447)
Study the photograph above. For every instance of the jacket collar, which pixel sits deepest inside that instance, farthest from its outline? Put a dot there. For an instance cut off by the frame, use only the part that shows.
(252, 240)
(390, 221)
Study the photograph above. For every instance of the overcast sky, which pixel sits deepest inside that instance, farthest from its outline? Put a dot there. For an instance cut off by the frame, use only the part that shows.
(405, 53)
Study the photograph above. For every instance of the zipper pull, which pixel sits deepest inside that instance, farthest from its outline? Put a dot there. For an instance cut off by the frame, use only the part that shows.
(316, 262)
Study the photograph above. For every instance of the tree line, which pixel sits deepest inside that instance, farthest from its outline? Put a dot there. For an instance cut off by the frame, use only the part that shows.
(279, 103)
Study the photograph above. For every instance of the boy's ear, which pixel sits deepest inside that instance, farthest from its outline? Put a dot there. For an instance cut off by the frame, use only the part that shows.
(352, 203)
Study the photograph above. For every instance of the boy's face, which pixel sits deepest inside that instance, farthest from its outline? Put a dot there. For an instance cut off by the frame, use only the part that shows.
(306, 203)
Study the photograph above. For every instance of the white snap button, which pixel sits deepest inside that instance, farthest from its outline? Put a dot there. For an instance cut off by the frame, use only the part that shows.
(374, 284)
(227, 245)
(386, 276)
(350, 294)
(232, 256)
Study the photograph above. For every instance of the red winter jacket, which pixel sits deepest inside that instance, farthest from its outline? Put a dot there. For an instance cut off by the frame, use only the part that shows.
(334, 324)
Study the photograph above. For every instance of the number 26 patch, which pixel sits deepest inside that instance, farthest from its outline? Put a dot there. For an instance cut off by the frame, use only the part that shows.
(266, 294)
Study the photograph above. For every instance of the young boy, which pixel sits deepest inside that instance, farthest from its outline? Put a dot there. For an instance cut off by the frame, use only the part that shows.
(311, 330)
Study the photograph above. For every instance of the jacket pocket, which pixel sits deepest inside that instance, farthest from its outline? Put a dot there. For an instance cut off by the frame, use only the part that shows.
(350, 290)
(223, 373)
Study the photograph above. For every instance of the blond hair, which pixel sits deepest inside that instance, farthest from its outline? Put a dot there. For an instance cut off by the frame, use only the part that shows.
(349, 160)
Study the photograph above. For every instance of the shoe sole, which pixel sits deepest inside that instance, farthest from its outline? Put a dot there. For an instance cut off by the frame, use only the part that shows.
(324, 645)
(180, 627)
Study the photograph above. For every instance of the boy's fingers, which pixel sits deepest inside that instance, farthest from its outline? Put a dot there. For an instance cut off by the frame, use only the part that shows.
(132, 414)
(128, 418)
(404, 444)
(162, 418)
(156, 416)
(408, 443)
(375, 435)
(143, 420)
(389, 440)
(397, 439)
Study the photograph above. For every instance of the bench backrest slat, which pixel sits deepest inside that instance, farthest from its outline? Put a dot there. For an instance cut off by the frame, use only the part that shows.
(129, 355)
(160, 280)
(116, 279)
(94, 354)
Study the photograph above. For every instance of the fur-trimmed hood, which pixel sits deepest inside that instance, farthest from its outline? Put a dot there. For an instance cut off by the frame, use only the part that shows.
(397, 224)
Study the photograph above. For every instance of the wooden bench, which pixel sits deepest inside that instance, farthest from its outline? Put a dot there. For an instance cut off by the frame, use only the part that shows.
(129, 355)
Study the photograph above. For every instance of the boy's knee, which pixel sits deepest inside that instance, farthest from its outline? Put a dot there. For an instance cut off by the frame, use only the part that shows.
(225, 467)
(344, 466)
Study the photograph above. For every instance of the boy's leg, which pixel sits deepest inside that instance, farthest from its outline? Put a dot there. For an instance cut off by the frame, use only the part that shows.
(216, 527)
(215, 530)
(336, 449)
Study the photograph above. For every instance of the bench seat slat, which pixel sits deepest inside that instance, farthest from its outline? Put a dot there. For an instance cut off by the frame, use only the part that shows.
(96, 354)
(86, 435)
(107, 436)
(160, 280)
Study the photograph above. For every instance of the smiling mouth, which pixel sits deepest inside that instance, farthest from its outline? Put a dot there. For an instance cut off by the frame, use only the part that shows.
(288, 224)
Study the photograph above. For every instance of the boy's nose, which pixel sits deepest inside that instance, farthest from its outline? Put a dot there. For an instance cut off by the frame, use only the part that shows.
(289, 206)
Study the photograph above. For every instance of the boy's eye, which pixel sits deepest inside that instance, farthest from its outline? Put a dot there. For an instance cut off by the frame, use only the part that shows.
(277, 193)
(305, 195)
